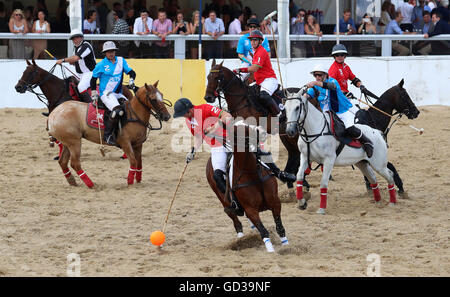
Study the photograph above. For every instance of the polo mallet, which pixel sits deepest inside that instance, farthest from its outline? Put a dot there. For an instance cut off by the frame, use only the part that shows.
(51, 56)
(174, 195)
(102, 148)
(269, 16)
(385, 113)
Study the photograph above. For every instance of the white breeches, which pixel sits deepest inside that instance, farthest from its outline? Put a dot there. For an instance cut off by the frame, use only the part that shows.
(111, 100)
(219, 158)
(348, 117)
(269, 85)
(85, 81)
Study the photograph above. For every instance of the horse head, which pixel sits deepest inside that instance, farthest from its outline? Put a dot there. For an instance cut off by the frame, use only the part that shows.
(154, 100)
(215, 81)
(403, 103)
(31, 76)
(295, 103)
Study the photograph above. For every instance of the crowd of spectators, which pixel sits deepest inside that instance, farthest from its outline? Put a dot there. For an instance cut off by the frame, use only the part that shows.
(221, 17)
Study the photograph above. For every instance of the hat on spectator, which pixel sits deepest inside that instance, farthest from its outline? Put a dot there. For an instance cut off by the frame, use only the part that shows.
(319, 68)
(253, 21)
(339, 49)
(76, 33)
(109, 46)
(181, 107)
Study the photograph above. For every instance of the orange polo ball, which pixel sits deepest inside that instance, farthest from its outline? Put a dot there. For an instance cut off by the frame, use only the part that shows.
(157, 238)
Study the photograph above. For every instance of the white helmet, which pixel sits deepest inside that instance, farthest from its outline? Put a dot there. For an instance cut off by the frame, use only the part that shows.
(75, 33)
(109, 46)
(319, 68)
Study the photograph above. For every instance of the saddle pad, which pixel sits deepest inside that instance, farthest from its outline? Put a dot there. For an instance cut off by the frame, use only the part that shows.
(346, 140)
(91, 117)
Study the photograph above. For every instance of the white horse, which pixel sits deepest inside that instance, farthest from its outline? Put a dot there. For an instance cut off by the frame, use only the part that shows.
(316, 141)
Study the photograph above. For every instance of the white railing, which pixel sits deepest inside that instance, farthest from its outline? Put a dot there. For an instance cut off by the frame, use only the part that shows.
(180, 40)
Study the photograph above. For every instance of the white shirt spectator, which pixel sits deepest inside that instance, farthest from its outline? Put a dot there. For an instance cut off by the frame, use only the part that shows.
(407, 10)
(234, 29)
(90, 26)
(139, 26)
(217, 26)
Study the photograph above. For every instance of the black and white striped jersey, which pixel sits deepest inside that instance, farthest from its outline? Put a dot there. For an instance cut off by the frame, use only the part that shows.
(87, 57)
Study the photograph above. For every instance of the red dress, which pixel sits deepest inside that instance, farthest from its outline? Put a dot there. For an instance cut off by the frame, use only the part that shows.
(341, 73)
(205, 116)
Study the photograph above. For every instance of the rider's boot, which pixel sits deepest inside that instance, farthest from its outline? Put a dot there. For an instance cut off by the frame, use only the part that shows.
(356, 133)
(270, 103)
(110, 125)
(220, 181)
(282, 175)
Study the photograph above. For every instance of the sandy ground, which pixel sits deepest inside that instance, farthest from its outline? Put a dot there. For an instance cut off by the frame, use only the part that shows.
(43, 219)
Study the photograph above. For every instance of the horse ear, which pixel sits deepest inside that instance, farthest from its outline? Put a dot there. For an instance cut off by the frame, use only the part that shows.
(28, 62)
(400, 84)
(34, 62)
(213, 63)
(146, 86)
(220, 65)
(156, 84)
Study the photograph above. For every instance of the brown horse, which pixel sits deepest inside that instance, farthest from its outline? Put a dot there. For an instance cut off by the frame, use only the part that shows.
(222, 79)
(255, 189)
(67, 123)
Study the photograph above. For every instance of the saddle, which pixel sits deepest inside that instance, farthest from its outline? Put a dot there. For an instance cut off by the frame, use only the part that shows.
(103, 113)
(338, 130)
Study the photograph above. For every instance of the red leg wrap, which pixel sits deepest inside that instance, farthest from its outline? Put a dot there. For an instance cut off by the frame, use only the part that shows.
(131, 175)
(60, 145)
(392, 194)
(308, 170)
(85, 178)
(323, 197)
(376, 192)
(67, 173)
(299, 190)
(138, 174)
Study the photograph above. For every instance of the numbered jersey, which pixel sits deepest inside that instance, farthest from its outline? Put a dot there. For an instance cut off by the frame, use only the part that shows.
(111, 75)
(341, 73)
(205, 116)
(262, 60)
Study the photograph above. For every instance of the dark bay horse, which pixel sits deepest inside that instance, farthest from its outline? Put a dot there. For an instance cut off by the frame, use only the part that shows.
(222, 79)
(255, 189)
(67, 123)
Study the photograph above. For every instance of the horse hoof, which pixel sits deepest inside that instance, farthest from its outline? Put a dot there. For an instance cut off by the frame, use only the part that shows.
(321, 211)
(240, 234)
(302, 204)
(284, 241)
(392, 204)
(269, 246)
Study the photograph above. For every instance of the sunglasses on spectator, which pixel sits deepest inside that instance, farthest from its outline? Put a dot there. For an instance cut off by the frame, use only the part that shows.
(318, 74)
(253, 26)
(340, 55)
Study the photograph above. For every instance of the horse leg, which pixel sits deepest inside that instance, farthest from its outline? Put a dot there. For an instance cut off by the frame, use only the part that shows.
(138, 156)
(300, 179)
(389, 176)
(63, 162)
(253, 215)
(75, 152)
(280, 228)
(366, 181)
(371, 178)
(128, 150)
(397, 180)
(327, 168)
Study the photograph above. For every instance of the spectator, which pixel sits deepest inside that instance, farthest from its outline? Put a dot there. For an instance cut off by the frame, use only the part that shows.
(313, 28)
(394, 28)
(236, 28)
(121, 27)
(142, 26)
(441, 47)
(40, 26)
(195, 29)
(432, 5)
(417, 15)
(110, 19)
(424, 47)
(298, 28)
(180, 26)
(367, 26)
(17, 25)
(385, 17)
(215, 28)
(161, 28)
(406, 8)
(40, 6)
(346, 24)
(90, 23)
(102, 12)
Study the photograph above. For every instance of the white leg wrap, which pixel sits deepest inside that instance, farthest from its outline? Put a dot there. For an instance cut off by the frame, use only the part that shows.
(269, 245)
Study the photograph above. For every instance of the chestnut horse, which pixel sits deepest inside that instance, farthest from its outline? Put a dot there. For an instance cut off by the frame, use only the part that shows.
(255, 189)
(68, 124)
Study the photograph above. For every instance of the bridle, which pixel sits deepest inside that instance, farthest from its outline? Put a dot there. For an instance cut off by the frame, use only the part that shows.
(223, 86)
(157, 113)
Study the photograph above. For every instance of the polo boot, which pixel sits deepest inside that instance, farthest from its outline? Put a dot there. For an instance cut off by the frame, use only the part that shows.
(356, 133)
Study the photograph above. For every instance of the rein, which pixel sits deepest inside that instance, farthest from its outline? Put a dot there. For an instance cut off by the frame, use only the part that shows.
(155, 114)
(223, 89)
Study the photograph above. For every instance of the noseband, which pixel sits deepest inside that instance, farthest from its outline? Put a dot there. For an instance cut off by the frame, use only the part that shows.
(223, 86)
